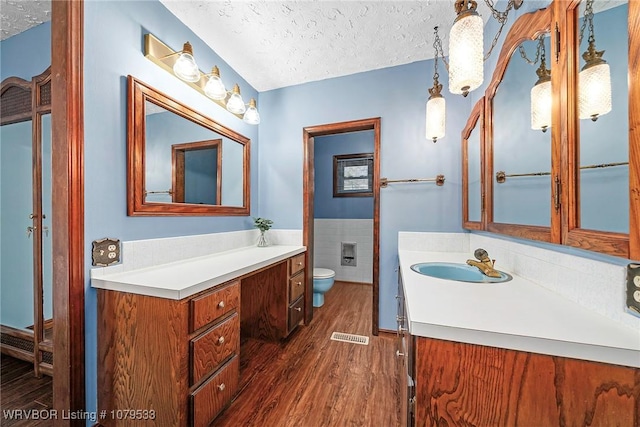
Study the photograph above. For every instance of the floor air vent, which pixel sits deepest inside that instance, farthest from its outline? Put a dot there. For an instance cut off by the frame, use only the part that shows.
(357, 339)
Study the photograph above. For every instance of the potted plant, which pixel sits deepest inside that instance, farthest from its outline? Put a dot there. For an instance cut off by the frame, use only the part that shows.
(263, 225)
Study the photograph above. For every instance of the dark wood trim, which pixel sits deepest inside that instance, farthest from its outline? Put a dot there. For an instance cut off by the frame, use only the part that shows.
(634, 130)
(178, 167)
(308, 135)
(67, 126)
(475, 121)
(25, 87)
(138, 94)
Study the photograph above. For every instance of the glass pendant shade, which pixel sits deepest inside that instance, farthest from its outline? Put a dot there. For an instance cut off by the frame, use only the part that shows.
(251, 116)
(466, 70)
(185, 66)
(436, 117)
(235, 104)
(541, 106)
(214, 88)
(594, 91)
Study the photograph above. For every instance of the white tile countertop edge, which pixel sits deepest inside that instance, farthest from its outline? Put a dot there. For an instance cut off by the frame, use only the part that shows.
(181, 279)
(516, 315)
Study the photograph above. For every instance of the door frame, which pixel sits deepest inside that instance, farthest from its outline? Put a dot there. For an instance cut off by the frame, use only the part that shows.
(67, 133)
(308, 135)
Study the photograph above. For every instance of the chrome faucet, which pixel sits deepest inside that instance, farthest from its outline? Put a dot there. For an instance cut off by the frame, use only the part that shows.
(484, 263)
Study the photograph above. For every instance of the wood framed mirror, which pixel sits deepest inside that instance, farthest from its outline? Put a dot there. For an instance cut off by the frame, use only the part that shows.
(520, 166)
(181, 162)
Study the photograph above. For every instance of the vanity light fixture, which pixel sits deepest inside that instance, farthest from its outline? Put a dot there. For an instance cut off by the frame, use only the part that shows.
(436, 104)
(466, 44)
(182, 64)
(594, 80)
(185, 66)
(541, 99)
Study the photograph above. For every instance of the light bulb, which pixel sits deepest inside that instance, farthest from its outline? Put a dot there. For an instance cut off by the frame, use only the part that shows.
(214, 88)
(251, 116)
(235, 104)
(185, 66)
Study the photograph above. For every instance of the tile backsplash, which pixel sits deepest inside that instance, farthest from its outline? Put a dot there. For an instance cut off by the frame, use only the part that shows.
(137, 254)
(596, 285)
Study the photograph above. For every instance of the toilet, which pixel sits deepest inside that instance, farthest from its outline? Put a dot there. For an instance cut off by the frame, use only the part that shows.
(322, 282)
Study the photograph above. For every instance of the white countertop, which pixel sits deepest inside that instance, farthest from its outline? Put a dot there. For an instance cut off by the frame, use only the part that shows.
(182, 279)
(517, 315)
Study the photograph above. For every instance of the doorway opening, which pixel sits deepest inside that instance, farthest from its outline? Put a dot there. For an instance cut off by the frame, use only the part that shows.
(309, 136)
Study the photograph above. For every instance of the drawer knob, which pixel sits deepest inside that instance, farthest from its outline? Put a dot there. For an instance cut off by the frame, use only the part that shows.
(221, 304)
(399, 354)
(299, 283)
(298, 309)
(300, 263)
(221, 340)
(221, 387)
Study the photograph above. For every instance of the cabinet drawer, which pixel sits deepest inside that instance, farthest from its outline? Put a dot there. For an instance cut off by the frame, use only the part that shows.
(296, 286)
(210, 306)
(208, 400)
(296, 264)
(296, 313)
(212, 347)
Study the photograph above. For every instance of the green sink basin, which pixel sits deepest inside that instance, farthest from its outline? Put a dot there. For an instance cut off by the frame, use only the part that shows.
(457, 272)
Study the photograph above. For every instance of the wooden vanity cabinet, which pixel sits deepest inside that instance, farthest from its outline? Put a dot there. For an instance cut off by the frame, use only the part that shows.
(174, 360)
(273, 300)
(466, 384)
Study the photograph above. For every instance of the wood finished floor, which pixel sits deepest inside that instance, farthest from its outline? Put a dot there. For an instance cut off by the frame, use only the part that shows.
(20, 389)
(312, 381)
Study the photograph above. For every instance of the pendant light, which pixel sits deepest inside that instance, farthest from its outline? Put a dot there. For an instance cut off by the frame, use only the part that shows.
(466, 44)
(541, 99)
(594, 80)
(436, 104)
(185, 66)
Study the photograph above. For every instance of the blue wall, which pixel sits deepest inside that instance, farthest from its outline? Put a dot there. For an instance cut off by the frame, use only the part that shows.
(324, 204)
(397, 95)
(13, 60)
(110, 55)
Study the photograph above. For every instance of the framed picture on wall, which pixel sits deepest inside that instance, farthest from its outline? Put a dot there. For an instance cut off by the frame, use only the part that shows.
(353, 175)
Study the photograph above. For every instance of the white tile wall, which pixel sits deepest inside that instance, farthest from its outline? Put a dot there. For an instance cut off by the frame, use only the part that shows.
(596, 285)
(328, 235)
(138, 254)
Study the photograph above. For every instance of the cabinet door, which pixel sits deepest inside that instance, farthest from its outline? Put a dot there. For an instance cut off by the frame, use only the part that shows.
(599, 109)
(522, 162)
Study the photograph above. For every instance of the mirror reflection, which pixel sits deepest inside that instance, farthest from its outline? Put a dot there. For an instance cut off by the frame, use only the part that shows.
(180, 161)
(603, 148)
(188, 163)
(473, 172)
(521, 155)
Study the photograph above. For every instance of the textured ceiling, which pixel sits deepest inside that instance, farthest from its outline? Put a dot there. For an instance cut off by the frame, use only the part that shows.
(274, 44)
(18, 16)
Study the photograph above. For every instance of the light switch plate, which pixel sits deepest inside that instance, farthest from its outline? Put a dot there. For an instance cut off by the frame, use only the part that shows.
(633, 288)
(105, 252)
